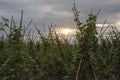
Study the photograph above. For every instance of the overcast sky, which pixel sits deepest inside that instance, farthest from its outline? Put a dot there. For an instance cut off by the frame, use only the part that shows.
(60, 11)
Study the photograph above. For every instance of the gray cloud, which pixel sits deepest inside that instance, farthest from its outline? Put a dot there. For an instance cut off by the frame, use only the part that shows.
(60, 11)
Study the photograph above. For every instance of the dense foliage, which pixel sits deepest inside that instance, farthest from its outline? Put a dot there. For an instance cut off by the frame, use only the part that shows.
(91, 55)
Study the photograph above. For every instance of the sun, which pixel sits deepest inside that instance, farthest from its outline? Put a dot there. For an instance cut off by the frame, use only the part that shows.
(66, 31)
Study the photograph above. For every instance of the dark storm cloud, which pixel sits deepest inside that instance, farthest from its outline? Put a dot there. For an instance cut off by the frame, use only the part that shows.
(60, 11)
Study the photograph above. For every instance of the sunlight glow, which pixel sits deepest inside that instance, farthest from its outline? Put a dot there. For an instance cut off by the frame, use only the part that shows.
(66, 31)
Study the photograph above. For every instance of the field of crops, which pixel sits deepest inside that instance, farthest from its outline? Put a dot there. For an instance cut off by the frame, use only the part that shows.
(90, 56)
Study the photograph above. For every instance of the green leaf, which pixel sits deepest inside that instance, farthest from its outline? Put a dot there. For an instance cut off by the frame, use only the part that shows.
(5, 19)
(1, 29)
